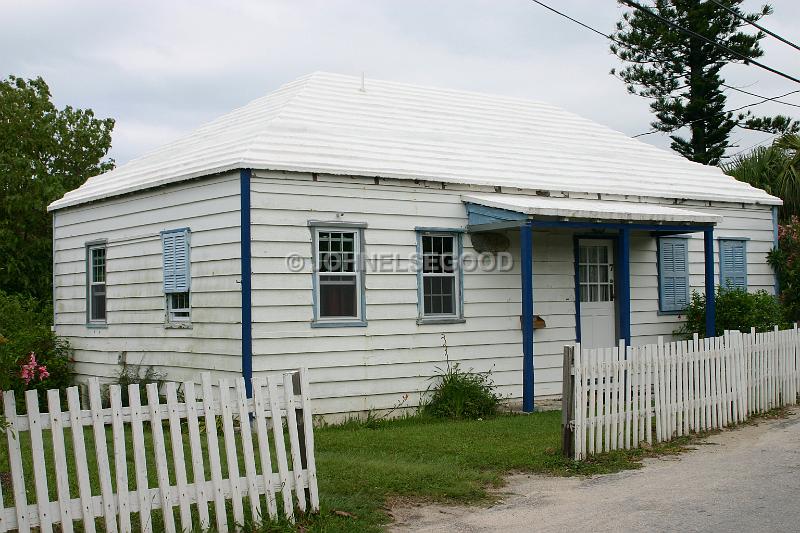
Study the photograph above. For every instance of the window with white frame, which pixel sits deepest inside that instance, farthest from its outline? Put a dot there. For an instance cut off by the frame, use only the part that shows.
(337, 273)
(439, 276)
(177, 275)
(96, 283)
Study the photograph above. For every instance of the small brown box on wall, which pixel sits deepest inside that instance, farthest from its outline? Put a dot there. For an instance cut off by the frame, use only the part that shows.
(538, 322)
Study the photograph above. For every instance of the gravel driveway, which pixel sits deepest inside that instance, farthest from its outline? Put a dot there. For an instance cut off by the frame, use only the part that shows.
(741, 480)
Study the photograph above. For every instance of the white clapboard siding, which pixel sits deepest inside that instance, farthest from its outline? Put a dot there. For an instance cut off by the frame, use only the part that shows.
(621, 397)
(391, 356)
(121, 509)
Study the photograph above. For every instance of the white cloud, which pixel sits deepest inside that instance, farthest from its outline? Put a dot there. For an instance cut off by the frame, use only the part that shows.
(163, 68)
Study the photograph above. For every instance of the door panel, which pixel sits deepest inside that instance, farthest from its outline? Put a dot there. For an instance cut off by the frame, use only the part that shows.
(596, 279)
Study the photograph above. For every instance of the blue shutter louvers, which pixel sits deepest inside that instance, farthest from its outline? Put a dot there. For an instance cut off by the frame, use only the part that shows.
(733, 264)
(177, 275)
(673, 274)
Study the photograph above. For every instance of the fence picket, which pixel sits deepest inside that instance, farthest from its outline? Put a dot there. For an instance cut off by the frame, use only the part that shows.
(176, 439)
(212, 441)
(37, 453)
(196, 450)
(280, 450)
(81, 465)
(232, 459)
(140, 459)
(115, 501)
(680, 386)
(159, 449)
(15, 461)
(247, 450)
(294, 441)
(120, 458)
(308, 423)
(59, 460)
(263, 446)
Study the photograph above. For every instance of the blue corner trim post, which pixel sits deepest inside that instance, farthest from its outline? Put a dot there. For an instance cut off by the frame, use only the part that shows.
(775, 243)
(624, 285)
(576, 249)
(711, 307)
(247, 297)
(526, 253)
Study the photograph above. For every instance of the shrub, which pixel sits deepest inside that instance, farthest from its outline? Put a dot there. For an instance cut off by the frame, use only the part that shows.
(25, 332)
(785, 260)
(736, 309)
(460, 395)
(132, 374)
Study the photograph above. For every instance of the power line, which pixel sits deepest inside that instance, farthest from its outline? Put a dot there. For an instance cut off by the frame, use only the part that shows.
(691, 33)
(725, 112)
(766, 98)
(611, 38)
(752, 23)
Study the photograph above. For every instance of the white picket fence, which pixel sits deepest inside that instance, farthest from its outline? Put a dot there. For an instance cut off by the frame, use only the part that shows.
(252, 429)
(617, 398)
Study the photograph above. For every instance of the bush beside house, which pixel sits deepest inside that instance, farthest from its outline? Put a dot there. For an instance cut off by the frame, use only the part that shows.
(25, 332)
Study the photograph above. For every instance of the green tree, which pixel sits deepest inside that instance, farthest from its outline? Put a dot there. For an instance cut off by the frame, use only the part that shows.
(682, 73)
(44, 152)
(776, 169)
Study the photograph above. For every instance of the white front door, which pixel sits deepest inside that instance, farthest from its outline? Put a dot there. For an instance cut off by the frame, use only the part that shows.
(596, 278)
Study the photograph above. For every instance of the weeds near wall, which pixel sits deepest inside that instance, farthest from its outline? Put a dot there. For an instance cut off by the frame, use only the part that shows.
(459, 394)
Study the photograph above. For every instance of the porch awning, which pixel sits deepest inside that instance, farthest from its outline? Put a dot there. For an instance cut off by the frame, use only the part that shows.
(586, 209)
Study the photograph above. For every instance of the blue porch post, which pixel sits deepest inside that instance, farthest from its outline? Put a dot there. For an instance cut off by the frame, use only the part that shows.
(247, 322)
(526, 256)
(624, 285)
(711, 306)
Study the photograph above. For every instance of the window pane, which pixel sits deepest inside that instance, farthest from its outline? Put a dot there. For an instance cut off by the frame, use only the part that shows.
(592, 273)
(603, 254)
(98, 302)
(593, 293)
(98, 257)
(604, 273)
(584, 293)
(439, 295)
(337, 296)
(605, 293)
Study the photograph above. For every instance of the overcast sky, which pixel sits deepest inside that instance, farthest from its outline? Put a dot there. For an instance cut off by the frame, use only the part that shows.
(161, 68)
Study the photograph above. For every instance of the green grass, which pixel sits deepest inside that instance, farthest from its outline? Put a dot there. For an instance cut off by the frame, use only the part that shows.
(362, 468)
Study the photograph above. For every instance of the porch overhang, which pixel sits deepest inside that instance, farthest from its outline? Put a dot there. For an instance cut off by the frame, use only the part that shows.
(492, 212)
(488, 212)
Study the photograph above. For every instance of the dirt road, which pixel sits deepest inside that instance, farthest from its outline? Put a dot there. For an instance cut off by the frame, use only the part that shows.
(741, 480)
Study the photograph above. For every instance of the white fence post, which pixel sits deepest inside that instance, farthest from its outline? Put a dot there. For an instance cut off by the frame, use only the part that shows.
(119, 507)
(685, 386)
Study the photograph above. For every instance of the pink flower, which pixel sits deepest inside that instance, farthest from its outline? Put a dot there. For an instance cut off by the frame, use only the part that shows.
(31, 368)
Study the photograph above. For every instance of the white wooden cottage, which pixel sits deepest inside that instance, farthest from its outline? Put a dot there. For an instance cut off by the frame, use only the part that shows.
(288, 233)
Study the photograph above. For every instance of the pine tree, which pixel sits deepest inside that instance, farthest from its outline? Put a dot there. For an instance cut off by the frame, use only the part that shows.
(682, 73)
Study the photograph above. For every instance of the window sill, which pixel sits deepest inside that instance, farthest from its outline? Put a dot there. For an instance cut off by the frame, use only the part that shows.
(440, 320)
(337, 324)
(96, 325)
(178, 325)
(671, 313)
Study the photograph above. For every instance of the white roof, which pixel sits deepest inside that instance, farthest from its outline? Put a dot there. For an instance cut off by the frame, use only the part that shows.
(574, 208)
(325, 123)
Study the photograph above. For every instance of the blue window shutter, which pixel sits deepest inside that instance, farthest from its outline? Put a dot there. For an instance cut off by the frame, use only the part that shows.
(673, 274)
(177, 275)
(733, 264)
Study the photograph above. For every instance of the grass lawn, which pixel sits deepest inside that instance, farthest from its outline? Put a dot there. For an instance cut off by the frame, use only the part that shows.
(361, 468)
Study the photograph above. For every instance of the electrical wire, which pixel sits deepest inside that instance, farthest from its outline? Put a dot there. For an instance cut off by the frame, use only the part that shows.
(754, 24)
(721, 46)
(611, 38)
